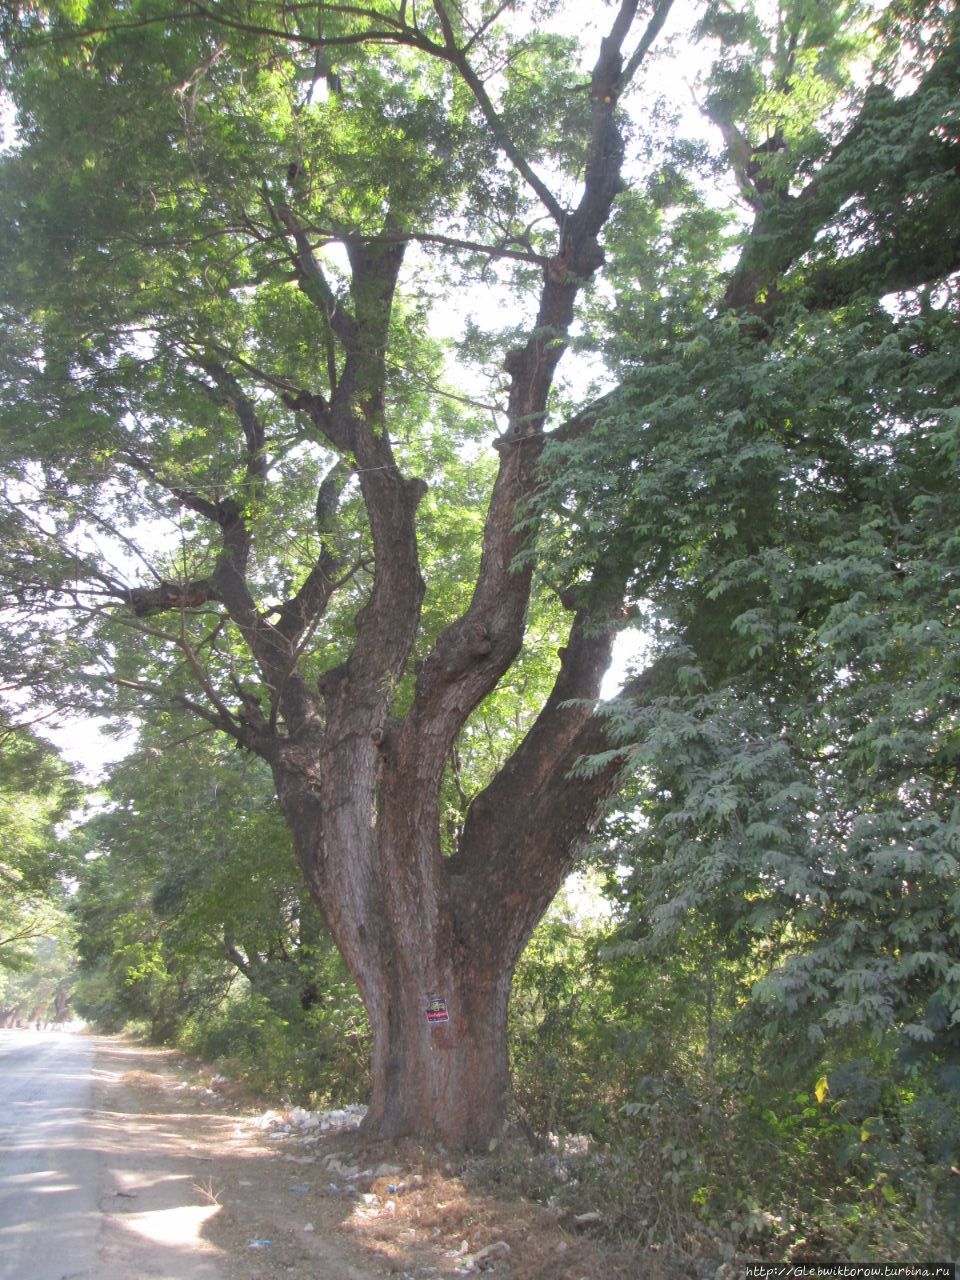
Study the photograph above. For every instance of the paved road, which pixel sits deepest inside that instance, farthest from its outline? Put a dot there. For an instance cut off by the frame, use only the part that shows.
(49, 1175)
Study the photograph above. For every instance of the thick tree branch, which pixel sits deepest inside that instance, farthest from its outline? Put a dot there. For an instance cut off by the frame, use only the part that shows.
(234, 954)
(741, 160)
(654, 27)
(884, 273)
(304, 609)
(537, 842)
(353, 421)
(787, 226)
(533, 764)
(338, 431)
(146, 601)
(230, 392)
(474, 652)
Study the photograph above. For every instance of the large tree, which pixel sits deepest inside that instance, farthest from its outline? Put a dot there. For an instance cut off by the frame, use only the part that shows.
(228, 226)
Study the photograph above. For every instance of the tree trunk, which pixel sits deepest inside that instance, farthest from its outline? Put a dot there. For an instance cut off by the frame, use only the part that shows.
(440, 1067)
(432, 942)
(436, 995)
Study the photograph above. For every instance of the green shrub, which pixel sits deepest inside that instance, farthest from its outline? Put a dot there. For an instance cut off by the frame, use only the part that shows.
(317, 1056)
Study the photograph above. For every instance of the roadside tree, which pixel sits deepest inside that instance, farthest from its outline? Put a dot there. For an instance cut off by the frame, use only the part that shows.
(231, 227)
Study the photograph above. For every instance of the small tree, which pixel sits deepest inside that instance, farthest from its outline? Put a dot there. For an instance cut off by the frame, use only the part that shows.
(36, 794)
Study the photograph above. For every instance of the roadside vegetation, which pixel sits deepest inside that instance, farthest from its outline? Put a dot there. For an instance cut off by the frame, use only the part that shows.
(668, 1075)
(37, 860)
(654, 1072)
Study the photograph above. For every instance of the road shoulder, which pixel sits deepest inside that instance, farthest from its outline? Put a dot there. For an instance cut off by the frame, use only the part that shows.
(197, 1187)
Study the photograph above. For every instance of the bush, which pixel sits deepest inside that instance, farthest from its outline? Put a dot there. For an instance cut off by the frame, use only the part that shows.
(317, 1056)
(707, 1137)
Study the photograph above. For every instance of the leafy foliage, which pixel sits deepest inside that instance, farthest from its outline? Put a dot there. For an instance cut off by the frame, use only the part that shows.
(799, 734)
(186, 888)
(36, 856)
(776, 479)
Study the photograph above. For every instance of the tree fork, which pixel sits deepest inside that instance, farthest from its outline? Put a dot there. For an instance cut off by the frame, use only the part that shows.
(431, 941)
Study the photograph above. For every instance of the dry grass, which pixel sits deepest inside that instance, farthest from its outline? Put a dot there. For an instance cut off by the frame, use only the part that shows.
(434, 1222)
(139, 1079)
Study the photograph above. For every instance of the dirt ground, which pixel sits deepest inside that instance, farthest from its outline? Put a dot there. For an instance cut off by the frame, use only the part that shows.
(194, 1187)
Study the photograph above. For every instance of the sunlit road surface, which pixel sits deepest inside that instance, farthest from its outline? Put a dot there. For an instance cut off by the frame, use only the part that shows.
(48, 1174)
